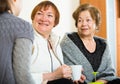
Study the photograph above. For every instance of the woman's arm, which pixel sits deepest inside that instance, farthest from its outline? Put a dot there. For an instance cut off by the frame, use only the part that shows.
(63, 71)
(21, 61)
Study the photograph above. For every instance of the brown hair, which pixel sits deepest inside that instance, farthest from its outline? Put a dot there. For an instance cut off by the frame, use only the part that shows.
(94, 12)
(45, 5)
(4, 6)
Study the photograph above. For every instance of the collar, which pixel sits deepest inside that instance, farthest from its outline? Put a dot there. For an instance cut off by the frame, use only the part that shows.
(54, 39)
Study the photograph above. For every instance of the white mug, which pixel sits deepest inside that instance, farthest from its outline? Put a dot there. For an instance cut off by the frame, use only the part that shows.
(76, 71)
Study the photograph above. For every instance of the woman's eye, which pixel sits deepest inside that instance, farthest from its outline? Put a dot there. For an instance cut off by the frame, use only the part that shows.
(88, 20)
(39, 13)
(50, 15)
(79, 20)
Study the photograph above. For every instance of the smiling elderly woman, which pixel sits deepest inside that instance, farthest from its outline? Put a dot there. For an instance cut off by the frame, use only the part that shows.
(47, 59)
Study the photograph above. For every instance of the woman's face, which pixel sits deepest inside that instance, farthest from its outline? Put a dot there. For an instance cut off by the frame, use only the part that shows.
(86, 25)
(16, 6)
(44, 20)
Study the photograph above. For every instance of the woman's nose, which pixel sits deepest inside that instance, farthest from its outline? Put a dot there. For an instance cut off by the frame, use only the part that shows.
(44, 17)
(84, 22)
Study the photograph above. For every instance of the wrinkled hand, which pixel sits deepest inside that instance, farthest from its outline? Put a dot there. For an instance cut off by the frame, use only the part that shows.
(63, 71)
(81, 80)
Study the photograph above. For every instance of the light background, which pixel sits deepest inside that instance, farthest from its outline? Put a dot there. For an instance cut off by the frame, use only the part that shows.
(66, 24)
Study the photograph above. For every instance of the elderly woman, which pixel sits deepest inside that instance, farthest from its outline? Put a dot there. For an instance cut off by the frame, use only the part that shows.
(84, 48)
(47, 60)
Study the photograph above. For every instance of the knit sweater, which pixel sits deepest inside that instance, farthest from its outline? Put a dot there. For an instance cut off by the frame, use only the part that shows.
(15, 33)
(73, 56)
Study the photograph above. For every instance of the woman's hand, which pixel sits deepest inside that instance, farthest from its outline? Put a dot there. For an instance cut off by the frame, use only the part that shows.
(63, 71)
(102, 81)
(81, 80)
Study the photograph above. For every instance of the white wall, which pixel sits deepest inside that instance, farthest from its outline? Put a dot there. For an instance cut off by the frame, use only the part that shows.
(28, 6)
(66, 8)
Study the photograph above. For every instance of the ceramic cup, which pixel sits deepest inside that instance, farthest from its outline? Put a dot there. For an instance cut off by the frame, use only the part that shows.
(76, 71)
